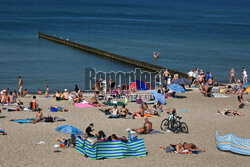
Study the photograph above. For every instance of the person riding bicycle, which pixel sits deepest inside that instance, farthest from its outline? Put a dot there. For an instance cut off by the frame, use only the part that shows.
(172, 117)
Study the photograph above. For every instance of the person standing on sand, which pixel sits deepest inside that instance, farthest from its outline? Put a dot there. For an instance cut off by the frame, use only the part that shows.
(165, 76)
(244, 75)
(20, 85)
(240, 96)
(232, 76)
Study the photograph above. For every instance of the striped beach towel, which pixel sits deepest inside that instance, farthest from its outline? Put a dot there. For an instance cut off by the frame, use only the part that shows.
(111, 149)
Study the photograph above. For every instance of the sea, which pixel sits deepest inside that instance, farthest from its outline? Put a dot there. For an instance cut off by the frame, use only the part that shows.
(210, 35)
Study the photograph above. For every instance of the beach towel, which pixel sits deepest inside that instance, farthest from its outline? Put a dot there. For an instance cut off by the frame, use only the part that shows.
(21, 121)
(153, 132)
(188, 152)
(146, 116)
(111, 149)
(81, 105)
(232, 143)
(47, 97)
(220, 96)
(112, 104)
(184, 111)
(1, 130)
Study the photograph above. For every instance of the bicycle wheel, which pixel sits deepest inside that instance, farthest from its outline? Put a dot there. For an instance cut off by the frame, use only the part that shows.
(175, 126)
(165, 124)
(183, 127)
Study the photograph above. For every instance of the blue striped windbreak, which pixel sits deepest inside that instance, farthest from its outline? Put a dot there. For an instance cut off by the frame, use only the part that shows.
(232, 143)
(111, 149)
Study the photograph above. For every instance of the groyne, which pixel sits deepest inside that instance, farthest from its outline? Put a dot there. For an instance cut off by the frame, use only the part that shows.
(116, 57)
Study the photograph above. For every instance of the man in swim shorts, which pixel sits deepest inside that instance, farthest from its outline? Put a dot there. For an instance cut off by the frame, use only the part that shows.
(147, 127)
(165, 76)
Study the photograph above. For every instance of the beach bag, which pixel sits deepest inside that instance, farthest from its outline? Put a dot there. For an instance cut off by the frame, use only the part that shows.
(49, 119)
(139, 101)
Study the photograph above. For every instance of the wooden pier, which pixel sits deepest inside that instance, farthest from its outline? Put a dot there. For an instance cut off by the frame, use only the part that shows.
(123, 59)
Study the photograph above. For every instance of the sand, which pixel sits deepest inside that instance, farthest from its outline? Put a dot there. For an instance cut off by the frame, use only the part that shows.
(19, 147)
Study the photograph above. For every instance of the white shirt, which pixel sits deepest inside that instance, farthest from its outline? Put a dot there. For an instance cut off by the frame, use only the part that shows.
(245, 73)
(191, 73)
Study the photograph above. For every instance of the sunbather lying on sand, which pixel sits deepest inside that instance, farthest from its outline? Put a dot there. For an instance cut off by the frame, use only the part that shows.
(147, 127)
(140, 113)
(59, 108)
(181, 147)
(173, 147)
(39, 117)
(94, 102)
(67, 142)
(191, 147)
(18, 108)
(231, 113)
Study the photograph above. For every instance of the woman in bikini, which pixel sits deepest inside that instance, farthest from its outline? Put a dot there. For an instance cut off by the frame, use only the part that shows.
(39, 117)
(140, 113)
(232, 76)
(230, 113)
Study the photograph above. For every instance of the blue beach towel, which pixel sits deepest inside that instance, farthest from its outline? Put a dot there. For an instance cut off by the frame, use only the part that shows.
(28, 120)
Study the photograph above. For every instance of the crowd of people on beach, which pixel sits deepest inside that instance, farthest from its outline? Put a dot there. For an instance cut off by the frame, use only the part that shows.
(103, 92)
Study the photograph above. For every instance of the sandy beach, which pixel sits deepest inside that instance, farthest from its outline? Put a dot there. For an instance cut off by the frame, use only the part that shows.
(19, 147)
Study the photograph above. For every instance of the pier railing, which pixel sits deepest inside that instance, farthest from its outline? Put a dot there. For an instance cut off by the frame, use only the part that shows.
(123, 59)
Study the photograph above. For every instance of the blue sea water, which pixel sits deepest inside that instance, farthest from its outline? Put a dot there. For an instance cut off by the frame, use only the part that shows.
(212, 35)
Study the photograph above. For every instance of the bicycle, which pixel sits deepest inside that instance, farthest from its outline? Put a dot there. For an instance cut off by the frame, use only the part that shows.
(174, 125)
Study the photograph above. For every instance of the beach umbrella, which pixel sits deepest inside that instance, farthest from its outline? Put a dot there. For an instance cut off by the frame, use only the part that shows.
(248, 89)
(182, 81)
(176, 88)
(160, 97)
(69, 130)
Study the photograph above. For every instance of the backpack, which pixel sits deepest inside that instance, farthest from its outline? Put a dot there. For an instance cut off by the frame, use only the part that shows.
(49, 119)
(139, 101)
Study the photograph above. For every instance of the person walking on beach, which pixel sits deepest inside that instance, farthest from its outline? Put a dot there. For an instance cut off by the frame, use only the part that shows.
(158, 80)
(244, 75)
(232, 76)
(20, 85)
(240, 96)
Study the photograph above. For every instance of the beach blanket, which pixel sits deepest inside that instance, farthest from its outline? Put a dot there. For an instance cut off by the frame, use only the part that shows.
(81, 105)
(1, 130)
(112, 104)
(232, 143)
(153, 132)
(47, 97)
(21, 121)
(184, 111)
(106, 111)
(111, 149)
(146, 116)
(220, 96)
(188, 152)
